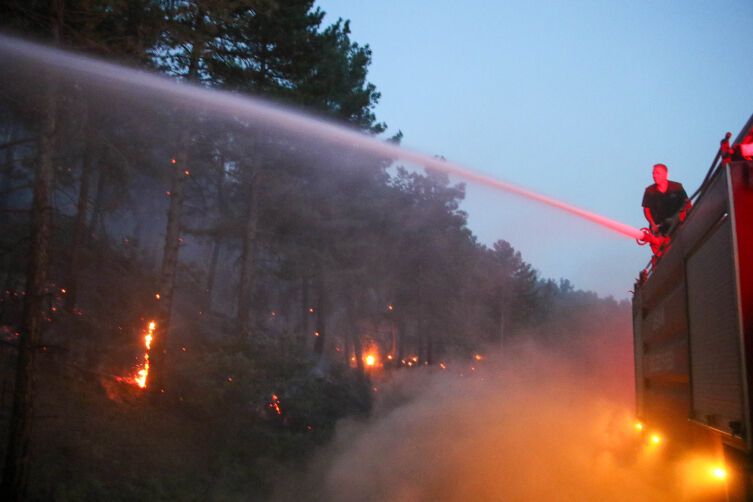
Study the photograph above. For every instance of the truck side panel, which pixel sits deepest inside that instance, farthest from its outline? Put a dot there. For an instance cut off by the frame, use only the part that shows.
(715, 369)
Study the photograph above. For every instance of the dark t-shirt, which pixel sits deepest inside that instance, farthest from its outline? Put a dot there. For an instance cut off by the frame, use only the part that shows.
(664, 206)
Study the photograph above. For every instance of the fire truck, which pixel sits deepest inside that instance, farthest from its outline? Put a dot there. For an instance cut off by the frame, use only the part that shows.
(693, 323)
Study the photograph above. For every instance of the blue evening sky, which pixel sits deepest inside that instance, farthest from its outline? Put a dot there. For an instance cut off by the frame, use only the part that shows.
(576, 100)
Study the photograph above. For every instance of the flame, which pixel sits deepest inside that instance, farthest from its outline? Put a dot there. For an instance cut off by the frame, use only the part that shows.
(150, 335)
(371, 358)
(142, 374)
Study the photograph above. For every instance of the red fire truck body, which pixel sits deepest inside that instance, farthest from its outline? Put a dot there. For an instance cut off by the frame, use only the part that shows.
(693, 322)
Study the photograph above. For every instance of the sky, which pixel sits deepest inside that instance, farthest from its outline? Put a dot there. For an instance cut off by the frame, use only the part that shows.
(575, 100)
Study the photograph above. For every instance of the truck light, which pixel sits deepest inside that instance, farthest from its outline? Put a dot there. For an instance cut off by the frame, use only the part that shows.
(655, 439)
(638, 426)
(719, 473)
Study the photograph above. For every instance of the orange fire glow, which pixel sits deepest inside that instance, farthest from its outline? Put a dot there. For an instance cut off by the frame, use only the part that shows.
(140, 378)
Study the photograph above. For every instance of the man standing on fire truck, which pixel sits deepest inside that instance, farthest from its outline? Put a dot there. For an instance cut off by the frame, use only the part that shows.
(664, 200)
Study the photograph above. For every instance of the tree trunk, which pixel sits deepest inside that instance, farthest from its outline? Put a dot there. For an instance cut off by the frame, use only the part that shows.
(347, 350)
(305, 305)
(217, 244)
(99, 202)
(244, 319)
(401, 336)
(6, 183)
(393, 352)
(321, 313)
(212, 274)
(79, 228)
(16, 470)
(356, 340)
(164, 301)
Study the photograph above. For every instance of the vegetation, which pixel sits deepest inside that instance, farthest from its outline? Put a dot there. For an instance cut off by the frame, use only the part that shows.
(271, 266)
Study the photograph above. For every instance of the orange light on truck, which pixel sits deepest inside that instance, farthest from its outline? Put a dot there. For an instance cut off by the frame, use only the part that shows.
(719, 473)
(655, 439)
(638, 426)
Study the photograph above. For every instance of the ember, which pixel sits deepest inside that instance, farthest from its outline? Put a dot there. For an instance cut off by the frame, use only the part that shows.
(275, 404)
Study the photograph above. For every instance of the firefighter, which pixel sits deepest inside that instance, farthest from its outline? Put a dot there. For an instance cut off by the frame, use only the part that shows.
(664, 202)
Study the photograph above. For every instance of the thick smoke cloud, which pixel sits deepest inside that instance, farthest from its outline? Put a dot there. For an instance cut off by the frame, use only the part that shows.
(532, 423)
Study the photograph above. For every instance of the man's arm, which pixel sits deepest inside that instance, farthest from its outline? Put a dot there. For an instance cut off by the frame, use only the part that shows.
(685, 206)
(650, 218)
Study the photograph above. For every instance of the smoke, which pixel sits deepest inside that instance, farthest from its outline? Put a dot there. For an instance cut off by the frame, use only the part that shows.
(531, 423)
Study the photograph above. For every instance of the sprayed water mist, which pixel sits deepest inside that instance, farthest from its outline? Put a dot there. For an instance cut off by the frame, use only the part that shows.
(243, 107)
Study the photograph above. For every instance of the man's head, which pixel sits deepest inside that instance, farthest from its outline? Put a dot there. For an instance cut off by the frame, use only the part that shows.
(660, 174)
